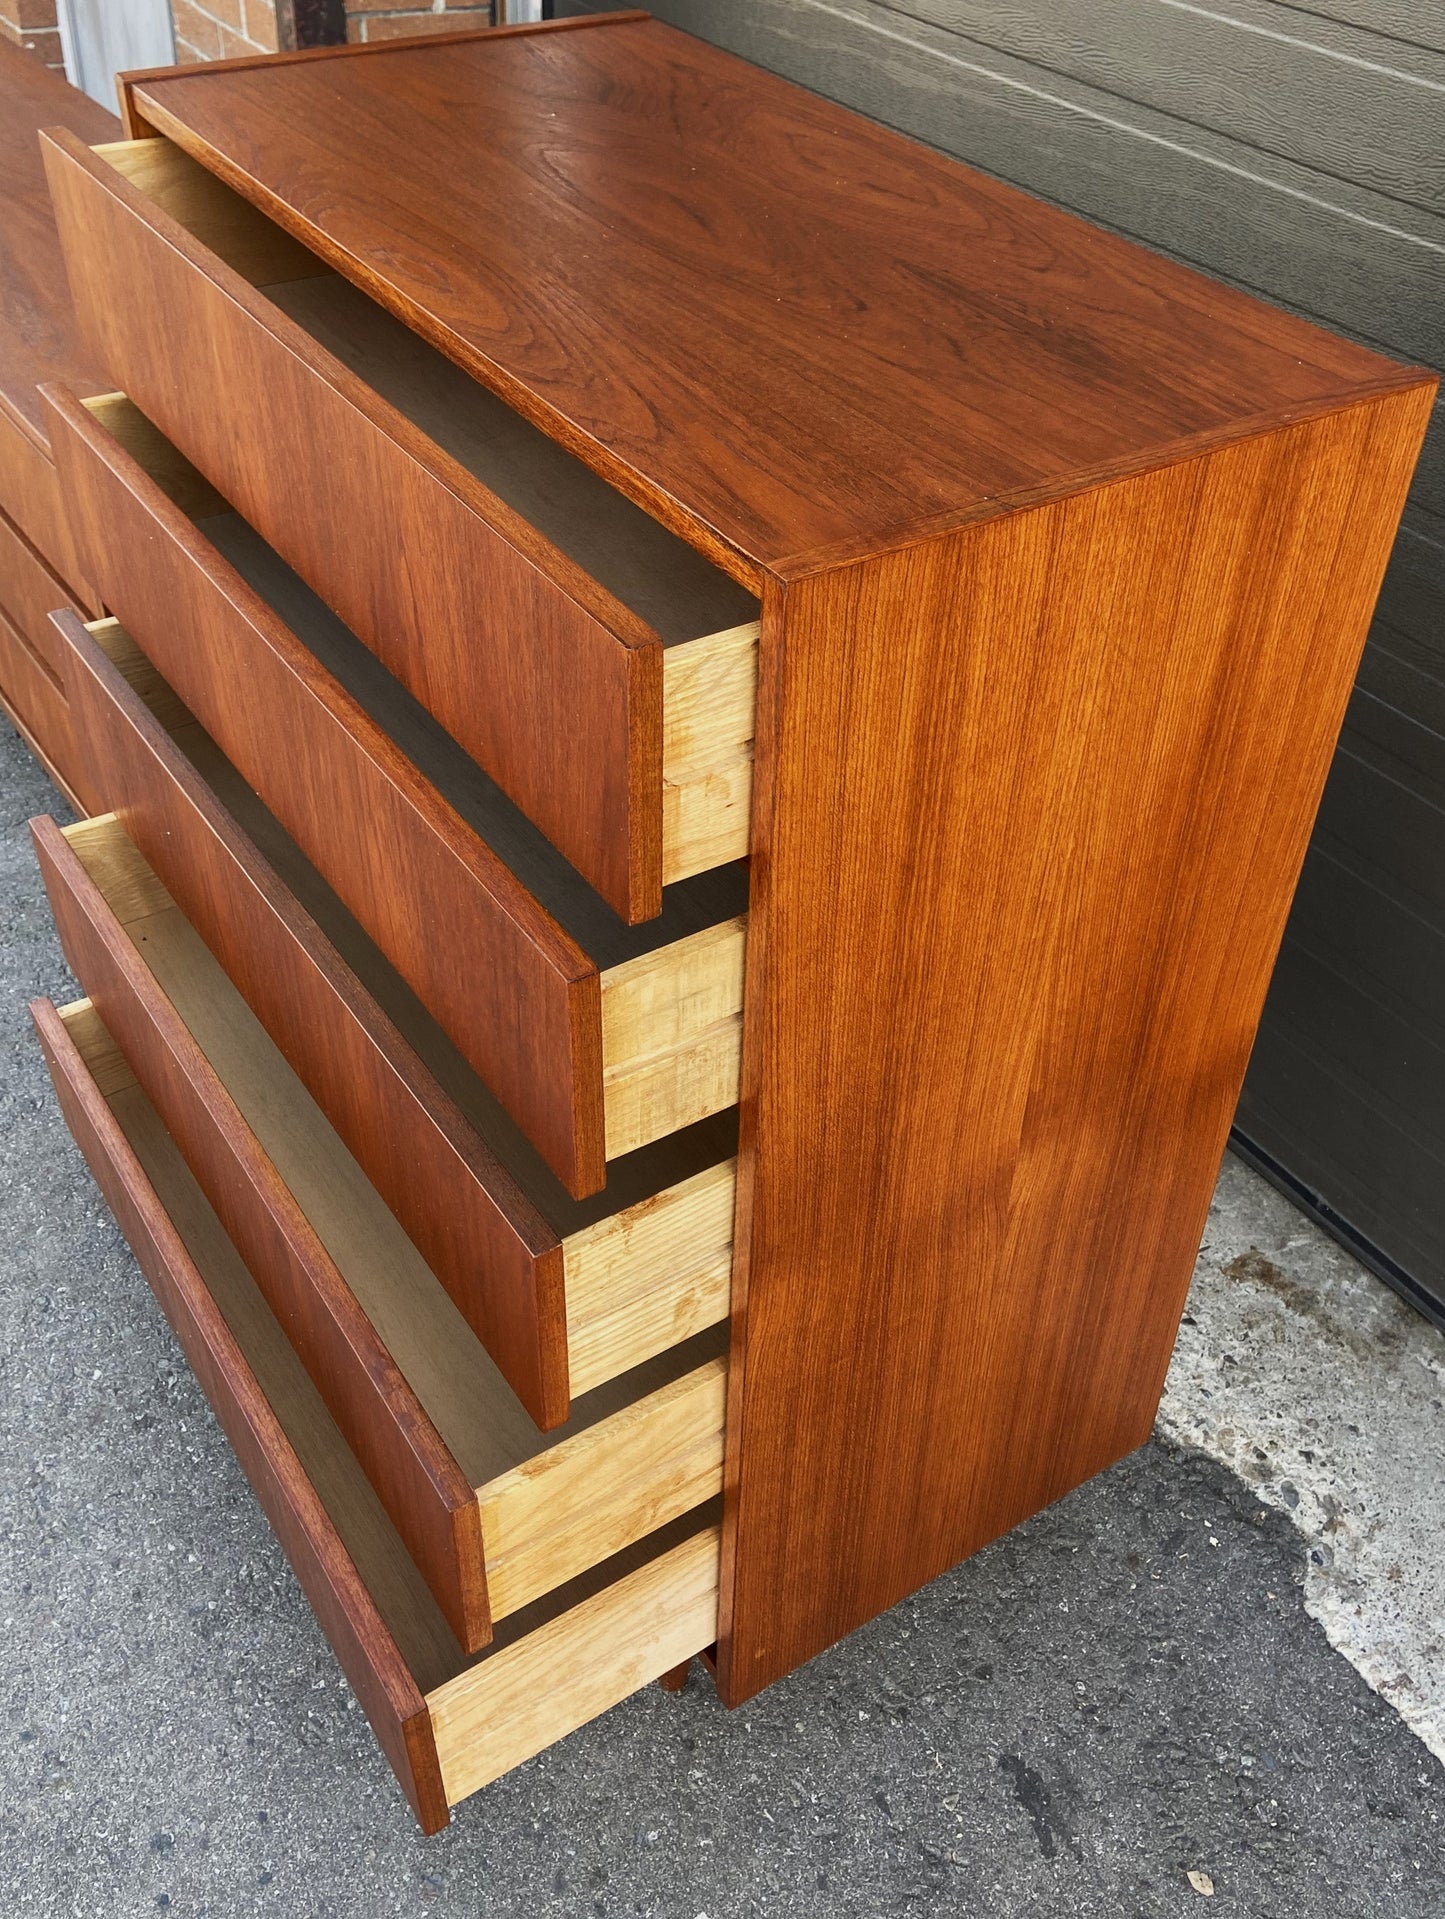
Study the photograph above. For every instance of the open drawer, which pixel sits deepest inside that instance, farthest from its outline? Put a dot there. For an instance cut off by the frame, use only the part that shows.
(493, 1513)
(447, 1723)
(597, 1037)
(598, 668)
(563, 1293)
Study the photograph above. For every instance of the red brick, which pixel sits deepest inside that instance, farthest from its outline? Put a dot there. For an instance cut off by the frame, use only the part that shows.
(225, 13)
(396, 26)
(199, 32)
(261, 24)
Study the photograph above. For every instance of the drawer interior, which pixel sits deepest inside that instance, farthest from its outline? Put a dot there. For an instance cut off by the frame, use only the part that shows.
(648, 1259)
(681, 595)
(657, 1598)
(644, 1446)
(672, 987)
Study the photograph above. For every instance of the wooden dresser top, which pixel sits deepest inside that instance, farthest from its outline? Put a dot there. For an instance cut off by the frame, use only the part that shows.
(792, 334)
(39, 339)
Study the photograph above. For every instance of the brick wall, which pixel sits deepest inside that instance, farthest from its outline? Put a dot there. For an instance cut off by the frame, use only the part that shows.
(391, 19)
(31, 24)
(224, 29)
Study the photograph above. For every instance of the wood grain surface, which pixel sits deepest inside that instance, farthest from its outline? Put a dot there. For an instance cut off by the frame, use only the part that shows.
(548, 681)
(359, 1635)
(1044, 873)
(528, 1695)
(38, 708)
(137, 127)
(891, 342)
(431, 1501)
(30, 591)
(446, 910)
(488, 1245)
(39, 337)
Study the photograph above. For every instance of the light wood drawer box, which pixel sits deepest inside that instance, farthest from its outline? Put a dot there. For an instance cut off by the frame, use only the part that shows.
(564, 1294)
(448, 1723)
(493, 1514)
(596, 1037)
(599, 668)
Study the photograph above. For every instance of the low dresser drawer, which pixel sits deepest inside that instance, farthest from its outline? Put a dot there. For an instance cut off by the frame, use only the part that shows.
(564, 1294)
(448, 1722)
(494, 1514)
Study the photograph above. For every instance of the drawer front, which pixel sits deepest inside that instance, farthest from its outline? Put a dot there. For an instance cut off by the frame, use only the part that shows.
(38, 707)
(359, 1636)
(488, 1245)
(30, 496)
(430, 1500)
(495, 1516)
(447, 1725)
(548, 681)
(30, 592)
(520, 1000)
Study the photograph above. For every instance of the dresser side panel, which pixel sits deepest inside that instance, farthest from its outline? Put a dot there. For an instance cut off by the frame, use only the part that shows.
(1033, 798)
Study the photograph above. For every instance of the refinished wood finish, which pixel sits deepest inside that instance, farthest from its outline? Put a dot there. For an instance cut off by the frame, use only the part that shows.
(646, 1262)
(30, 591)
(490, 1247)
(1045, 872)
(886, 340)
(446, 911)
(39, 336)
(429, 1498)
(592, 1064)
(30, 682)
(428, 1419)
(1064, 558)
(548, 681)
(446, 1725)
(39, 339)
(349, 1615)
(37, 708)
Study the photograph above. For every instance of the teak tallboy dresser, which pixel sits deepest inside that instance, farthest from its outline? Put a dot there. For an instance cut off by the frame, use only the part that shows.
(707, 724)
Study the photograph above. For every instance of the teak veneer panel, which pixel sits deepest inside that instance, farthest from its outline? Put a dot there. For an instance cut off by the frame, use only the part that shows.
(817, 334)
(30, 591)
(452, 882)
(633, 1459)
(550, 683)
(446, 1725)
(430, 1500)
(348, 1612)
(1045, 872)
(39, 335)
(38, 708)
(646, 1262)
(1065, 557)
(445, 909)
(495, 1254)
